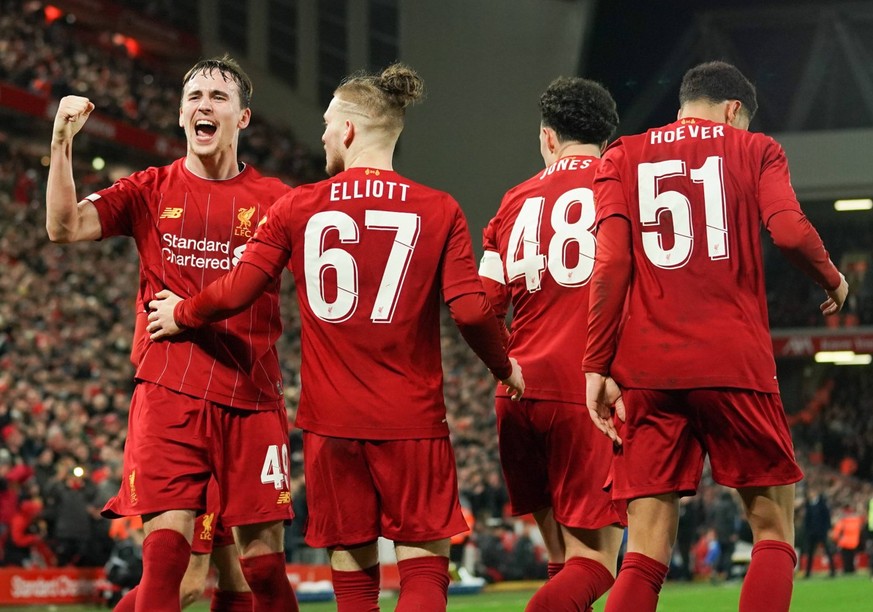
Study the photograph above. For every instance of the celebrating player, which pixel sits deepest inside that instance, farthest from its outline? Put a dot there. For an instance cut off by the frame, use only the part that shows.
(372, 253)
(679, 210)
(539, 255)
(211, 390)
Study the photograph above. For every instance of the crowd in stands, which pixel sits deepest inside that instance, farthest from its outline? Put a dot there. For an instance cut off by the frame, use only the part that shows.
(59, 58)
(66, 319)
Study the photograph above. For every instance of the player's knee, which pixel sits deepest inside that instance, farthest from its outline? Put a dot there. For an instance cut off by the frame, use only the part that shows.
(190, 593)
(191, 589)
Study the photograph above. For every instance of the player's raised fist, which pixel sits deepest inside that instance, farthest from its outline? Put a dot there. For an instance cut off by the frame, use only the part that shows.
(73, 112)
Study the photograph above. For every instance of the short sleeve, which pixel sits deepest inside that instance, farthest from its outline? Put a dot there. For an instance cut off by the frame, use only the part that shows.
(118, 205)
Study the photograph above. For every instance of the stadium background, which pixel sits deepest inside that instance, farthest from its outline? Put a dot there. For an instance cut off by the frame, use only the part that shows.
(66, 312)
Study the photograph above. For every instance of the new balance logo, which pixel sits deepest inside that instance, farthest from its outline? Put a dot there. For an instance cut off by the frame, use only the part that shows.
(284, 498)
(171, 213)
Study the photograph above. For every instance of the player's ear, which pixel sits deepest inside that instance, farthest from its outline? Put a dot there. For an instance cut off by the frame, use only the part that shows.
(732, 111)
(181, 124)
(244, 118)
(348, 134)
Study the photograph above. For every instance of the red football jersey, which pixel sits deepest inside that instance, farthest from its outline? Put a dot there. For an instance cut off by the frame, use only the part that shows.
(539, 256)
(696, 194)
(372, 254)
(190, 231)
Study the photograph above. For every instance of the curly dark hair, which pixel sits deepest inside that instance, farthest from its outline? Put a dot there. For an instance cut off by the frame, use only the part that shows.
(579, 109)
(229, 69)
(717, 82)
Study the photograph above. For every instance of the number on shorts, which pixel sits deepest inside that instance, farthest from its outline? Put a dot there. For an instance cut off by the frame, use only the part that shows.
(275, 471)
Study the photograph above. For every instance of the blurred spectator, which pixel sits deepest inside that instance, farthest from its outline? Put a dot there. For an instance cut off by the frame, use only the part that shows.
(691, 518)
(847, 534)
(26, 545)
(725, 521)
(70, 509)
(817, 529)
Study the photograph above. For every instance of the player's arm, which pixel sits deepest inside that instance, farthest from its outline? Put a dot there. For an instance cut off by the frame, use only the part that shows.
(226, 296)
(608, 289)
(473, 315)
(68, 220)
(795, 236)
(491, 273)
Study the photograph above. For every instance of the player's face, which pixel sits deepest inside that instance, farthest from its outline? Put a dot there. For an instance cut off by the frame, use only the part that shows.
(211, 115)
(334, 139)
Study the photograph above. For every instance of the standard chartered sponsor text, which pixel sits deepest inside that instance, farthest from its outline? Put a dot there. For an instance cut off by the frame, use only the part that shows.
(59, 586)
(174, 247)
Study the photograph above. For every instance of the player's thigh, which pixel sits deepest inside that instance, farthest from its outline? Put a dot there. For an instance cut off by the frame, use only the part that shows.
(418, 489)
(571, 440)
(770, 512)
(252, 465)
(747, 437)
(660, 452)
(522, 456)
(601, 545)
(341, 496)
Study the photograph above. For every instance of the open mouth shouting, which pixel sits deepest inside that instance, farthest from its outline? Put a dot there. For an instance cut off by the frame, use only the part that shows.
(204, 130)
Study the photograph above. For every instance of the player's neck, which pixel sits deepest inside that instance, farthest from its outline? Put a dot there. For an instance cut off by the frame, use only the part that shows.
(213, 167)
(573, 149)
(378, 158)
(702, 110)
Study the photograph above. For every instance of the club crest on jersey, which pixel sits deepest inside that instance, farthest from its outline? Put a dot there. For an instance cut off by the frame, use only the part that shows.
(208, 521)
(244, 227)
(171, 213)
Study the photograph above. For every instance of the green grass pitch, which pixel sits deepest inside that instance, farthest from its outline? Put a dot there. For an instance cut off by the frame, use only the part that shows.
(820, 594)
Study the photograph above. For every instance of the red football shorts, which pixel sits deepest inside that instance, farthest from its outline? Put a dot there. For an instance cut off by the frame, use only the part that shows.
(358, 490)
(553, 456)
(209, 530)
(668, 433)
(176, 443)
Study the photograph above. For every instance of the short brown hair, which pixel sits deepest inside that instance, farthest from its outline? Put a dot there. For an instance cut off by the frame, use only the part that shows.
(229, 69)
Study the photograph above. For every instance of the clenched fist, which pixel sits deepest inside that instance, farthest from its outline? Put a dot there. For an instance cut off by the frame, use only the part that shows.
(73, 112)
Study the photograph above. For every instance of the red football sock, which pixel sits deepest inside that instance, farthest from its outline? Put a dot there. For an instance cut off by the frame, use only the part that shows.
(266, 576)
(638, 585)
(554, 568)
(231, 601)
(165, 555)
(580, 584)
(770, 579)
(128, 602)
(356, 591)
(424, 584)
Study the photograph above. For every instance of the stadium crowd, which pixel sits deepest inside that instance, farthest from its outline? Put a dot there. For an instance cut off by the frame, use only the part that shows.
(66, 320)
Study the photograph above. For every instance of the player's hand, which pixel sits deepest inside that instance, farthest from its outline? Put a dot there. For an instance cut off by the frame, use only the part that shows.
(602, 395)
(73, 112)
(515, 382)
(836, 298)
(162, 324)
